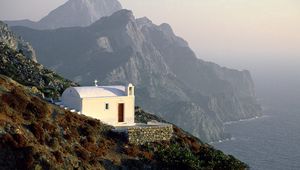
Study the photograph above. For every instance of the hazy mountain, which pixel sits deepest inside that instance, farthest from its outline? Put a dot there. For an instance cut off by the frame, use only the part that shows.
(17, 43)
(223, 86)
(196, 95)
(73, 13)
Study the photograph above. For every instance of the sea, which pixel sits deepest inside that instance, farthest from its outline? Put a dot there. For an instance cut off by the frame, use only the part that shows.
(270, 142)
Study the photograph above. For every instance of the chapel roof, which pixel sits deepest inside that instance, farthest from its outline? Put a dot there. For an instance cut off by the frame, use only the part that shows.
(99, 91)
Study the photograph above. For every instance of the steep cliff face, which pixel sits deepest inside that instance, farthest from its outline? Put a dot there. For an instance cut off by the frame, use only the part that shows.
(17, 43)
(231, 92)
(196, 95)
(194, 119)
(73, 13)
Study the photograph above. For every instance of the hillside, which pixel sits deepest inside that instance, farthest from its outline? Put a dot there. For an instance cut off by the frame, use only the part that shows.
(196, 95)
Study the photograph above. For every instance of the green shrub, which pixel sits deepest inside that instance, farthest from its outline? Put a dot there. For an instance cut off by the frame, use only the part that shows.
(178, 157)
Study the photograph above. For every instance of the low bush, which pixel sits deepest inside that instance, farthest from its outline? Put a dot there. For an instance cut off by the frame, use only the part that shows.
(178, 157)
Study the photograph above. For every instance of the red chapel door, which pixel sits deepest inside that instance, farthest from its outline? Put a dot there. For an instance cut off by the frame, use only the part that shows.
(121, 112)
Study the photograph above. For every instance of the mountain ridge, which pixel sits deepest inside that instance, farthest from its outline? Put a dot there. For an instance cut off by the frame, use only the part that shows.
(72, 13)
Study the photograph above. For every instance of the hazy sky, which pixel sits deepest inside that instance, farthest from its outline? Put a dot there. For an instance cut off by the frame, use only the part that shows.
(260, 35)
(231, 30)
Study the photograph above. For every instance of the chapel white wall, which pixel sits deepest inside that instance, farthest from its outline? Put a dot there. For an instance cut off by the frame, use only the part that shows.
(95, 107)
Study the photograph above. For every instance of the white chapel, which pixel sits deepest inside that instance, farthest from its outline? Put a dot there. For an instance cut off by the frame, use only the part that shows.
(113, 105)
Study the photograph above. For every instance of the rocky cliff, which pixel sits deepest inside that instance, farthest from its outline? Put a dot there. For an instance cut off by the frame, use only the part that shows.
(41, 80)
(230, 92)
(196, 95)
(73, 13)
(15, 42)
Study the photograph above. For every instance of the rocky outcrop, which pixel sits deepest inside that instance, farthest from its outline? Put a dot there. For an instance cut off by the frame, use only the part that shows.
(73, 13)
(104, 44)
(15, 65)
(196, 95)
(17, 43)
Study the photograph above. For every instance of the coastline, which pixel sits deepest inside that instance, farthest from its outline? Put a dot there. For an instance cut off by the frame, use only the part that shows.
(246, 120)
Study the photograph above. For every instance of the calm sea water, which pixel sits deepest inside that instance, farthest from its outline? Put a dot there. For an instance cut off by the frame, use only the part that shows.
(271, 142)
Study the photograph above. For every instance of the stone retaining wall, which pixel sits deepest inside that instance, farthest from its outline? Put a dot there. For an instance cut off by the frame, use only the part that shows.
(148, 133)
(141, 135)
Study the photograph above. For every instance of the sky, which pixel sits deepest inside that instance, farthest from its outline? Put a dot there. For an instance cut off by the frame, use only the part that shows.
(259, 35)
(27, 9)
